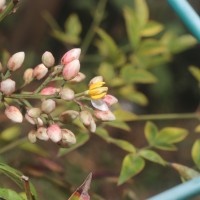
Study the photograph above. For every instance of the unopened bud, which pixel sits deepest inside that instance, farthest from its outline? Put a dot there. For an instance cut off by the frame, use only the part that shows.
(16, 61)
(85, 117)
(49, 91)
(28, 75)
(42, 133)
(14, 114)
(78, 78)
(104, 115)
(2, 4)
(110, 100)
(67, 137)
(32, 136)
(40, 71)
(48, 106)
(71, 55)
(8, 86)
(68, 116)
(67, 94)
(34, 121)
(92, 126)
(34, 112)
(1, 67)
(71, 70)
(54, 133)
(47, 59)
(96, 79)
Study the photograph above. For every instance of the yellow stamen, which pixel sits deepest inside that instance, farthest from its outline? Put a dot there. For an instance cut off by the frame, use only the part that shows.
(99, 96)
(96, 85)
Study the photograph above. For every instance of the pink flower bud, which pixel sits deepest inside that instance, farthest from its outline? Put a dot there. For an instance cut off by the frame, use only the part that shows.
(48, 106)
(2, 4)
(54, 133)
(8, 86)
(68, 137)
(34, 112)
(32, 136)
(67, 94)
(71, 55)
(104, 115)
(110, 100)
(33, 121)
(28, 75)
(16, 61)
(40, 71)
(49, 91)
(71, 70)
(47, 59)
(42, 133)
(68, 116)
(14, 114)
(96, 79)
(78, 78)
(85, 117)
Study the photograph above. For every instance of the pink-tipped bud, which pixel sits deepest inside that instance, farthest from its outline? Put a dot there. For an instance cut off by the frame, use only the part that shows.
(67, 94)
(48, 106)
(32, 136)
(2, 4)
(47, 59)
(49, 91)
(33, 121)
(92, 126)
(71, 70)
(96, 79)
(28, 75)
(40, 71)
(85, 117)
(16, 61)
(34, 112)
(104, 115)
(14, 114)
(71, 55)
(42, 133)
(8, 86)
(68, 137)
(68, 116)
(110, 100)
(78, 78)
(54, 133)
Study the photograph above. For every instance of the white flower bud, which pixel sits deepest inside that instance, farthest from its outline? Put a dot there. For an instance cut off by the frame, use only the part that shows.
(47, 59)
(32, 136)
(28, 75)
(14, 114)
(34, 121)
(68, 116)
(85, 117)
(54, 133)
(8, 86)
(78, 78)
(48, 106)
(40, 71)
(67, 94)
(68, 137)
(16, 61)
(2, 4)
(42, 133)
(34, 112)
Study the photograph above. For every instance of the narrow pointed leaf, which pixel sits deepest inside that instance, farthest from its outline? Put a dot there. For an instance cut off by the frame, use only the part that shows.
(151, 131)
(196, 153)
(8, 194)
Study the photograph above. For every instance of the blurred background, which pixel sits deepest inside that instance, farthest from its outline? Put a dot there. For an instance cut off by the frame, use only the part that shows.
(57, 26)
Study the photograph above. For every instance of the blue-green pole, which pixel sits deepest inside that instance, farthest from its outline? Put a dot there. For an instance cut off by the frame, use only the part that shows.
(188, 15)
(183, 191)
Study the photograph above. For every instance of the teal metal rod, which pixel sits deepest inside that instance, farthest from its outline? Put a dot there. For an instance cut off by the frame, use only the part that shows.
(181, 192)
(188, 15)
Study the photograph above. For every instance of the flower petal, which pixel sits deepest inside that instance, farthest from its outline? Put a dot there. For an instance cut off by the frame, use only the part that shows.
(99, 104)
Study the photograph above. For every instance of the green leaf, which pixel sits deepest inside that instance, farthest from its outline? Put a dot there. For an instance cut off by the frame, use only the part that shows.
(166, 147)
(10, 133)
(185, 172)
(195, 71)
(81, 138)
(151, 132)
(131, 75)
(118, 124)
(8, 194)
(171, 135)
(152, 156)
(196, 153)
(103, 133)
(152, 28)
(107, 71)
(123, 115)
(131, 166)
(197, 129)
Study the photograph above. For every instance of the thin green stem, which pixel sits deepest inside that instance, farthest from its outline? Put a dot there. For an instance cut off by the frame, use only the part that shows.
(12, 145)
(98, 16)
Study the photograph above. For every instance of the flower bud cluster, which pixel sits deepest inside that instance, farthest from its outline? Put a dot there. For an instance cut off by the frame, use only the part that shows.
(54, 91)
